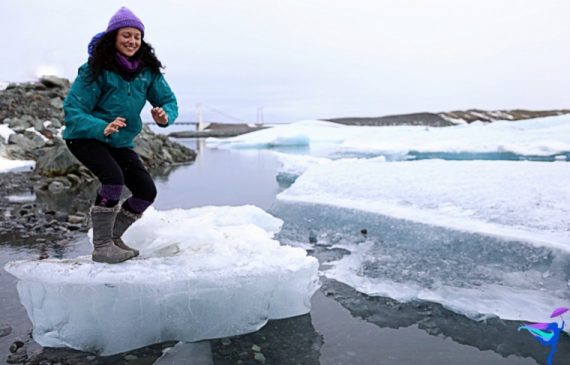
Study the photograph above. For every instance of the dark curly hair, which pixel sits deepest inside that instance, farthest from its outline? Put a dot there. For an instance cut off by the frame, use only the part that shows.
(103, 57)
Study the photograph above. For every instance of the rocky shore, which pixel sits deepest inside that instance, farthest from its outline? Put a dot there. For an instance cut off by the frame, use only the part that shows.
(445, 119)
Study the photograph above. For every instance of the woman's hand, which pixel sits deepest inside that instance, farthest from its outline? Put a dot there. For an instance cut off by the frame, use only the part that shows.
(159, 115)
(114, 126)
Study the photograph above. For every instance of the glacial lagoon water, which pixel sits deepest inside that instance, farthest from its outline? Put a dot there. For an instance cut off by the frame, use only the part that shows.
(345, 326)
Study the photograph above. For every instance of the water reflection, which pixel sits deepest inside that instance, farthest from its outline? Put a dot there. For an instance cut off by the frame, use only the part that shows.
(499, 336)
(285, 341)
(407, 255)
(451, 156)
(68, 201)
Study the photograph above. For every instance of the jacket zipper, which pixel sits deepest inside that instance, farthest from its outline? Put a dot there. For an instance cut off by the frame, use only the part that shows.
(129, 88)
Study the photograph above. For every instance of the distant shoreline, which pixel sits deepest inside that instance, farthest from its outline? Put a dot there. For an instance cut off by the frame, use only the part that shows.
(443, 119)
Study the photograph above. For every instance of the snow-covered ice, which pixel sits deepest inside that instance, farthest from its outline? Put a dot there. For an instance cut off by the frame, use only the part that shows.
(203, 273)
(520, 200)
(535, 137)
(292, 166)
(481, 237)
(302, 133)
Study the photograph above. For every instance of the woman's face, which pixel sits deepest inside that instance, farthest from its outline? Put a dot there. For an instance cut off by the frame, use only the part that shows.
(128, 41)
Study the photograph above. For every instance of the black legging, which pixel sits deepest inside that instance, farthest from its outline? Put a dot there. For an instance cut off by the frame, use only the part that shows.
(116, 166)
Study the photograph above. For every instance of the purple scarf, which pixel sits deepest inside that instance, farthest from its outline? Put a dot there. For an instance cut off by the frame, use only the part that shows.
(125, 64)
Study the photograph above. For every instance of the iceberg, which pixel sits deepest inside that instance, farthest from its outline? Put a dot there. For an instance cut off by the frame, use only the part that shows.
(539, 137)
(203, 273)
(302, 133)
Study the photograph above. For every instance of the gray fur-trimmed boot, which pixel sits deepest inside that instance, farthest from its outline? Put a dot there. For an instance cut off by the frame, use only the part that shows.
(103, 219)
(123, 221)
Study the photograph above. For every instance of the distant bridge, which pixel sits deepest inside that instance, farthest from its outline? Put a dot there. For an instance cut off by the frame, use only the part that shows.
(200, 124)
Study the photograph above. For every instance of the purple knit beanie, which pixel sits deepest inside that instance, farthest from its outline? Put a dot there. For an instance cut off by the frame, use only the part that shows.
(124, 18)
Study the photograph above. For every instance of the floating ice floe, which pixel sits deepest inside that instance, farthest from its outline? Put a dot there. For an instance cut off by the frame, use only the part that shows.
(535, 137)
(292, 166)
(203, 273)
(479, 276)
(302, 133)
(522, 200)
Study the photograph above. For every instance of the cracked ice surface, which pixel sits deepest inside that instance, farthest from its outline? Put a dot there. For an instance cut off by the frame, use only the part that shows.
(203, 273)
(479, 276)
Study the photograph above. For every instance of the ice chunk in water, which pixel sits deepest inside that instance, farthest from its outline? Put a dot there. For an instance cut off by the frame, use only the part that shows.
(203, 273)
(520, 200)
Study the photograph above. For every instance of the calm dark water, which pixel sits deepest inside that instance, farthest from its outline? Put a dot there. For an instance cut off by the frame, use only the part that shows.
(344, 326)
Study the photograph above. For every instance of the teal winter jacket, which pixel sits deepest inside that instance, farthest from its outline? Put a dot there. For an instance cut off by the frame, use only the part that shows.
(90, 106)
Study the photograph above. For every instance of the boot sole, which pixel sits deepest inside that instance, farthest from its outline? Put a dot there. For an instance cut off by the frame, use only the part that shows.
(105, 260)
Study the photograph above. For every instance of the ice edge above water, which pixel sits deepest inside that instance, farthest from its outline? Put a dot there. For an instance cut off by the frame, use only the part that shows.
(497, 198)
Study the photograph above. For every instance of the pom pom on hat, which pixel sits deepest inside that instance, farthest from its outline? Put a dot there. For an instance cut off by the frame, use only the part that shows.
(93, 43)
(124, 18)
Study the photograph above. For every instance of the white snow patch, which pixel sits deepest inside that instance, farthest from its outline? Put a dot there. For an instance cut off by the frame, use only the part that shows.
(7, 165)
(5, 132)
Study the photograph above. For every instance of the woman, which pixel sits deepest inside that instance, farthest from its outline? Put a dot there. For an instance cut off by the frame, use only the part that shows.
(102, 118)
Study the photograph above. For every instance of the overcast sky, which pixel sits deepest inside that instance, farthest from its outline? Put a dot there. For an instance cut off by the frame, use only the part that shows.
(310, 59)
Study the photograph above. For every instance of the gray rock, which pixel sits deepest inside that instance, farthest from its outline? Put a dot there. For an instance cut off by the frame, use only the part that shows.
(15, 346)
(36, 139)
(55, 123)
(74, 219)
(17, 358)
(73, 227)
(38, 125)
(5, 330)
(259, 357)
(196, 353)
(21, 123)
(54, 81)
(57, 161)
(56, 187)
(28, 142)
(56, 103)
(75, 180)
